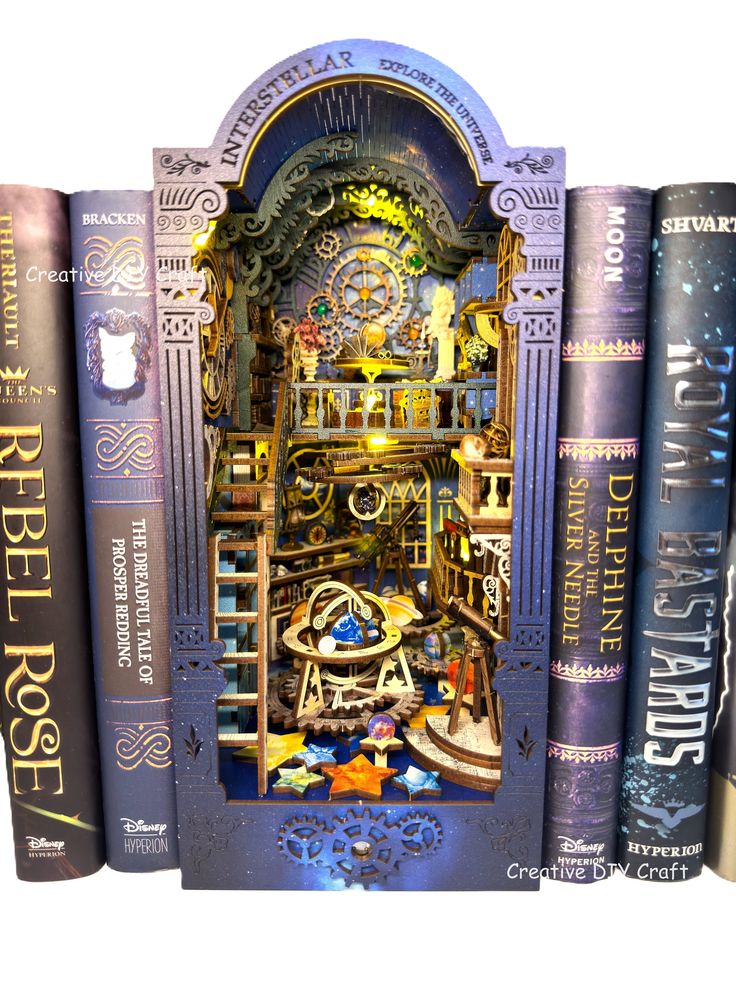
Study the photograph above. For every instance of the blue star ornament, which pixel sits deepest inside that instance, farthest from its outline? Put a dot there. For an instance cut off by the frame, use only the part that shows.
(418, 783)
(314, 756)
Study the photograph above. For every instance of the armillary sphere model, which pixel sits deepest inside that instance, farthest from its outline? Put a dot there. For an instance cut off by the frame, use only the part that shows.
(349, 662)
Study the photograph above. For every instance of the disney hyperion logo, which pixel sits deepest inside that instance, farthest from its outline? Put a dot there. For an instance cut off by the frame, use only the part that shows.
(40, 847)
(131, 827)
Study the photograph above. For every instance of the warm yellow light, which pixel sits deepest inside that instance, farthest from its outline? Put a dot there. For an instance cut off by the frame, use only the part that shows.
(201, 240)
(464, 550)
(371, 200)
(377, 440)
(372, 399)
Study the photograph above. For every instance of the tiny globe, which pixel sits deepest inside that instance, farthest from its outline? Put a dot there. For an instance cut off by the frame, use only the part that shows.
(381, 727)
(435, 645)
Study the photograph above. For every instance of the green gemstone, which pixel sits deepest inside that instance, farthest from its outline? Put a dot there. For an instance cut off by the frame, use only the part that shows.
(415, 260)
(322, 309)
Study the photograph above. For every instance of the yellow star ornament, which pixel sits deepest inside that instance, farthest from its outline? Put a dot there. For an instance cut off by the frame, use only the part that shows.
(280, 750)
(296, 781)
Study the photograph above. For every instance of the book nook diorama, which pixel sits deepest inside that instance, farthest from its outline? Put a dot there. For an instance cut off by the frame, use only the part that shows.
(359, 289)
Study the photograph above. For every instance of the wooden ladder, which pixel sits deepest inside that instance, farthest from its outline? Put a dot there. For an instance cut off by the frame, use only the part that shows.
(245, 520)
(251, 564)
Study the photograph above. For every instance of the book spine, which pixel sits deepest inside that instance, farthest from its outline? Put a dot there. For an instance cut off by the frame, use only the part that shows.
(46, 687)
(601, 386)
(120, 415)
(687, 445)
(720, 842)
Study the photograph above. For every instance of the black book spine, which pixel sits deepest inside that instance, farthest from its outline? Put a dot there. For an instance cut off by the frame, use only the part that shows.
(687, 444)
(720, 842)
(46, 666)
(601, 386)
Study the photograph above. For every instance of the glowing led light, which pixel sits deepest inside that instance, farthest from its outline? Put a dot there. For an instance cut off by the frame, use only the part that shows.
(201, 240)
(372, 399)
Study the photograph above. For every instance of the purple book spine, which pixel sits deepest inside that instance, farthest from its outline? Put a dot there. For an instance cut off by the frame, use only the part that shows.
(601, 388)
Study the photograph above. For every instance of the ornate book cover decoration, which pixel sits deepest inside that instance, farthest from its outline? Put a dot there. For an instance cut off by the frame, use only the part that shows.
(46, 668)
(121, 433)
(608, 233)
(687, 448)
(359, 312)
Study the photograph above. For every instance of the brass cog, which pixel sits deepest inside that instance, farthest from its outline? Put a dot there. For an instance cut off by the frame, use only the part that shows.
(413, 263)
(327, 245)
(322, 308)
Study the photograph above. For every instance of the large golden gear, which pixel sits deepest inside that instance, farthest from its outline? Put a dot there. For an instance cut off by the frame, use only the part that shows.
(369, 285)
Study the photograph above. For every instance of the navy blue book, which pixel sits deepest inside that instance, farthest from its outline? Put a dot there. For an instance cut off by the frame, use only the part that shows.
(687, 446)
(720, 842)
(120, 419)
(608, 234)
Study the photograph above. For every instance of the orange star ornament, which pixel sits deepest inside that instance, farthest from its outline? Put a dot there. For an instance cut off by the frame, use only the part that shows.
(358, 778)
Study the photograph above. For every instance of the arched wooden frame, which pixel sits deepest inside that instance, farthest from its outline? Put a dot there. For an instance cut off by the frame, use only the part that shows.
(528, 193)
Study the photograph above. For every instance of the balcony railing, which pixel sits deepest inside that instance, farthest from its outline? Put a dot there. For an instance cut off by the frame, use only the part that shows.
(484, 492)
(326, 409)
(480, 577)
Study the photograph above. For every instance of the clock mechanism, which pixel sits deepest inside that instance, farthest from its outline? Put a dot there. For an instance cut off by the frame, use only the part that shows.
(369, 285)
(362, 272)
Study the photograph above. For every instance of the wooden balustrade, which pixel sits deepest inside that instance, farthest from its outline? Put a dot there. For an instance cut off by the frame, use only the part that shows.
(441, 409)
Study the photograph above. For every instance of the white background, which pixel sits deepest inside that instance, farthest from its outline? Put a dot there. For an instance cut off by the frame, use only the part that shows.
(638, 92)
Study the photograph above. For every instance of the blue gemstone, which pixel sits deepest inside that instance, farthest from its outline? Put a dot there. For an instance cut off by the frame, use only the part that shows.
(372, 630)
(347, 630)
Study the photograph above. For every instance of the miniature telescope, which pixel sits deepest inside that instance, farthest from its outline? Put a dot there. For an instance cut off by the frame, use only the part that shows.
(468, 616)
